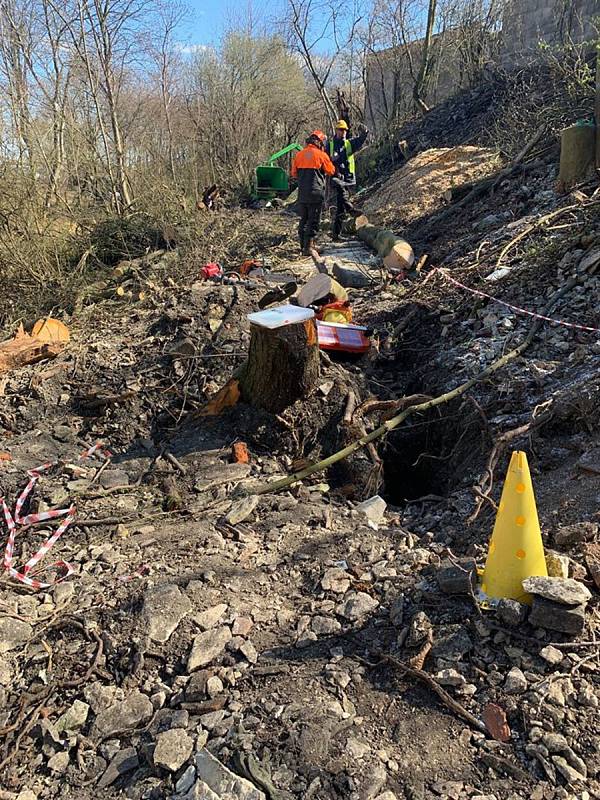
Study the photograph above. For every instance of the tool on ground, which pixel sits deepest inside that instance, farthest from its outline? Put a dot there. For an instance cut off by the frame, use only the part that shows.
(269, 180)
(516, 550)
(344, 338)
(211, 270)
(278, 295)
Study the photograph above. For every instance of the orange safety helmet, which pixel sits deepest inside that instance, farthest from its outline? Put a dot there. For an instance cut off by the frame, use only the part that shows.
(319, 136)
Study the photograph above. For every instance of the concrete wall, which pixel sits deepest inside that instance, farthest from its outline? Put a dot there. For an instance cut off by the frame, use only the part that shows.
(525, 24)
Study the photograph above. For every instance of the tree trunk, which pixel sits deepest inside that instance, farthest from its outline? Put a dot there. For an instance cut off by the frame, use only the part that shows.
(282, 366)
(396, 253)
(577, 155)
(419, 89)
(597, 109)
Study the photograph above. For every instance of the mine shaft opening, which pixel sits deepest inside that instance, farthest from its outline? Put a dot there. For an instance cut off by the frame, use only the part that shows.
(432, 454)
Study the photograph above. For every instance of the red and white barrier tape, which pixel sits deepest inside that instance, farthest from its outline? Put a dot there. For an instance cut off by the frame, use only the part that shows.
(518, 309)
(12, 523)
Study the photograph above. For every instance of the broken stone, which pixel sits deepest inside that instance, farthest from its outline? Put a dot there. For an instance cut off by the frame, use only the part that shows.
(557, 617)
(568, 535)
(457, 578)
(173, 748)
(222, 781)
(74, 718)
(118, 718)
(63, 592)
(209, 619)
(207, 647)
(242, 509)
(325, 626)
(557, 564)
(164, 608)
(59, 763)
(450, 677)
(453, 646)
(565, 591)
(99, 697)
(592, 560)
(336, 580)
(185, 783)
(112, 478)
(570, 774)
(197, 688)
(214, 686)
(511, 612)
(357, 606)
(357, 749)
(201, 791)
(397, 612)
(14, 633)
(373, 509)
(249, 652)
(386, 795)
(552, 655)
(242, 626)
(516, 682)
(124, 761)
(590, 461)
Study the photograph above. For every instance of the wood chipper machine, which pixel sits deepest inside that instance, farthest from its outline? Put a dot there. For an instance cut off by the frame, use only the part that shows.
(269, 180)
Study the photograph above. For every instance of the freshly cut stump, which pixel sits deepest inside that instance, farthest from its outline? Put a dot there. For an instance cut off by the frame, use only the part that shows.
(282, 366)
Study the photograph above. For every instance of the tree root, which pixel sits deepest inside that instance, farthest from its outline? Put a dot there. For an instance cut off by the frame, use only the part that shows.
(392, 424)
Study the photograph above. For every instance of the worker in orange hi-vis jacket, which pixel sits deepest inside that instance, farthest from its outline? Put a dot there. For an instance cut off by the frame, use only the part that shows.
(310, 167)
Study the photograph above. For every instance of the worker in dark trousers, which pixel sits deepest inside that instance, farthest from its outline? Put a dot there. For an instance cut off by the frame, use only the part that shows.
(311, 167)
(342, 151)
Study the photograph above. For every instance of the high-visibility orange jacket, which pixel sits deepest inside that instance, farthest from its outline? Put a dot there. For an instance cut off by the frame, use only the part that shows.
(311, 167)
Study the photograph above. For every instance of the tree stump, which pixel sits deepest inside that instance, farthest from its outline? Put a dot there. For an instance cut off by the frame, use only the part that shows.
(282, 366)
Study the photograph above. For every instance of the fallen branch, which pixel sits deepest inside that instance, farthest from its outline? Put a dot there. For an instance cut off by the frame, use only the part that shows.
(393, 423)
(435, 687)
(531, 228)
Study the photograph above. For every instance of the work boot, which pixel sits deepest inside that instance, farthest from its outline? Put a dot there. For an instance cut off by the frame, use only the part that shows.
(336, 229)
(309, 244)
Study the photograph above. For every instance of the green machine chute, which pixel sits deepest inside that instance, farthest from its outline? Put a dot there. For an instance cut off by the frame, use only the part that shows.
(269, 180)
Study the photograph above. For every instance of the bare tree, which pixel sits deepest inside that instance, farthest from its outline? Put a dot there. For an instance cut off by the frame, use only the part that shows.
(320, 32)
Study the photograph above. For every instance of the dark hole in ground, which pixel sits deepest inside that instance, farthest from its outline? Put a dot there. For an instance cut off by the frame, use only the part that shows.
(433, 453)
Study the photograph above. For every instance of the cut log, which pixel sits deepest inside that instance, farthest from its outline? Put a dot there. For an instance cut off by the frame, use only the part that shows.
(26, 350)
(396, 253)
(577, 155)
(282, 366)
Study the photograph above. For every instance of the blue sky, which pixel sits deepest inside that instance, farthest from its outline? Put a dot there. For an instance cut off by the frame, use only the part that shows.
(206, 19)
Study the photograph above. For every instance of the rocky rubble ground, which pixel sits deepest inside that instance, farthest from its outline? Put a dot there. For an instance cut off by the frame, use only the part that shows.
(213, 644)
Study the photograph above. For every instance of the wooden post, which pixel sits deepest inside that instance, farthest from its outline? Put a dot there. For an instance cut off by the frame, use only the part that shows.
(577, 155)
(282, 366)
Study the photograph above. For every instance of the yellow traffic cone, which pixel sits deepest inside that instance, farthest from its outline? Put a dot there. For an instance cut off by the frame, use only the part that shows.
(516, 550)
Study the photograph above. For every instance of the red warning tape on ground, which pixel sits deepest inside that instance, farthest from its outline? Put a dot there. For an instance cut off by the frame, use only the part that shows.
(518, 309)
(12, 523)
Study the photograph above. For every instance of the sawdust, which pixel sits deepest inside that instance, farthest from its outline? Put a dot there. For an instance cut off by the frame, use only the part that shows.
(417, 187)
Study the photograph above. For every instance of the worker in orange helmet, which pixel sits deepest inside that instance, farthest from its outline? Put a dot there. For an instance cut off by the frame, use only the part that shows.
(311, 167)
